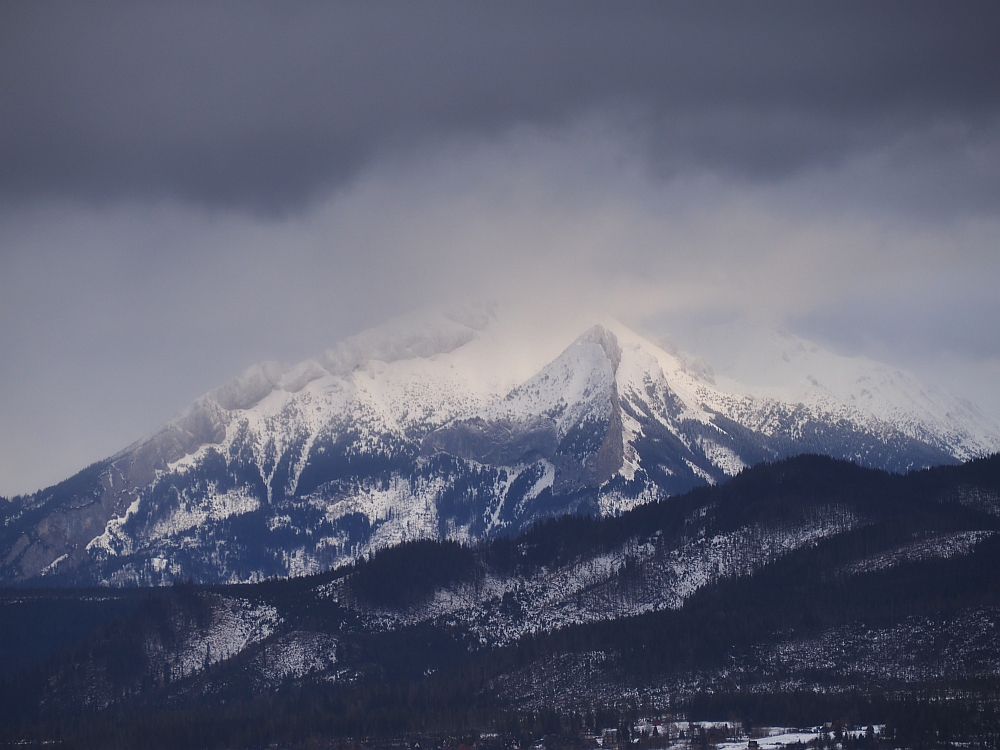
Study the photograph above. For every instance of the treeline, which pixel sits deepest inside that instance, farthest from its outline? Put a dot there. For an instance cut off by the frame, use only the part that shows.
(304, 717)
(392, 697)
(795, 596)
(426, 680)
(432, 711)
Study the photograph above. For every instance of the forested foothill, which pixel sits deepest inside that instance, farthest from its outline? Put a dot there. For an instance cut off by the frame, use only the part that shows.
(800, 593)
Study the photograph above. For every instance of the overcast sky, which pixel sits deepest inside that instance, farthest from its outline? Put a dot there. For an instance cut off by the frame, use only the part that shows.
(189, 188)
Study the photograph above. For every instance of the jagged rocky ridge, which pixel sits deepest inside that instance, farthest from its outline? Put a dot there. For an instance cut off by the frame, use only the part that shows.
(807, 574)
(436, 429)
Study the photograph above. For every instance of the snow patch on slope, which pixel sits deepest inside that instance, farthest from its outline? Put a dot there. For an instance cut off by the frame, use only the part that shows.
(113, 541)
(232, 625)
(940, 546)
(293, 656)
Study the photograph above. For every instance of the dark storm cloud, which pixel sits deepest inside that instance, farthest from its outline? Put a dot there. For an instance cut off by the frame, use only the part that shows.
(265, 106)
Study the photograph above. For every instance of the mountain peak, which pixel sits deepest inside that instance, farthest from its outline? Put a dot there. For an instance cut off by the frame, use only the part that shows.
(607, 341)
(458, 426)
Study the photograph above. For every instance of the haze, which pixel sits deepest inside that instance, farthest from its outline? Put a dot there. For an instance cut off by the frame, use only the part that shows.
(187, 189)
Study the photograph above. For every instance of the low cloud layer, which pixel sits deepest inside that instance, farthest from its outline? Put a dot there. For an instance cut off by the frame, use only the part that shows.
(191, 189)
(268, 106)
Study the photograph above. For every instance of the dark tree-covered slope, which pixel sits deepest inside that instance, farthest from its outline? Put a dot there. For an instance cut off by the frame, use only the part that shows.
(805, 574)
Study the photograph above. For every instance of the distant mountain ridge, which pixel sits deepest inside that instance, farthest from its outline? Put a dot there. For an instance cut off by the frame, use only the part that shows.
(447, 427)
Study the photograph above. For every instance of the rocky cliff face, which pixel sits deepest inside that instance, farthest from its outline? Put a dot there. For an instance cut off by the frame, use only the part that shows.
(428, 430)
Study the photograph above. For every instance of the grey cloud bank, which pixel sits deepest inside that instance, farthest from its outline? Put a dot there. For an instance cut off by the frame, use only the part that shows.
(186, 190)
(264, 106)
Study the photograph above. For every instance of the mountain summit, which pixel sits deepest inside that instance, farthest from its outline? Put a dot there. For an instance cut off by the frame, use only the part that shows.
(453, 427)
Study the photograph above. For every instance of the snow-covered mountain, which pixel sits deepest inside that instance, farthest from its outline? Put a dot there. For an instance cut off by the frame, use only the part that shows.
(459, 427)
(777, 364)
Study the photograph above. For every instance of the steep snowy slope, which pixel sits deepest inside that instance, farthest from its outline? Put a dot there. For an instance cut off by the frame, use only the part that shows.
(565, 418)
(459, 427)
(783, 367)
